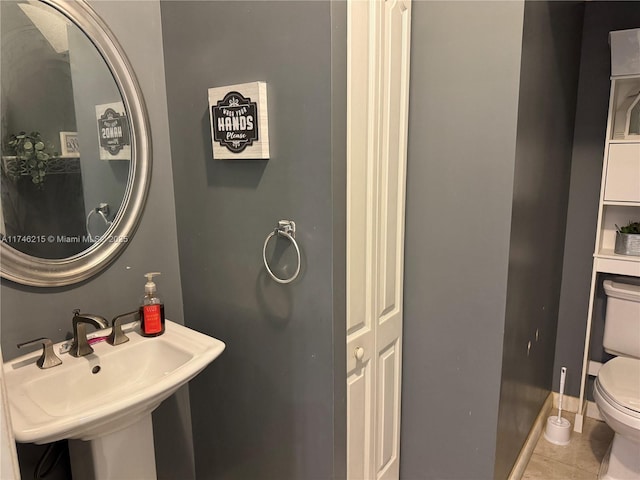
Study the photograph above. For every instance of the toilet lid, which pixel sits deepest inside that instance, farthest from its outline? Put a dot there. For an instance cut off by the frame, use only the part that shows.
(620, 379)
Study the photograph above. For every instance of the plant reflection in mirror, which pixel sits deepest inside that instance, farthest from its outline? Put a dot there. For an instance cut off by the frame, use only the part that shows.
(31, 157)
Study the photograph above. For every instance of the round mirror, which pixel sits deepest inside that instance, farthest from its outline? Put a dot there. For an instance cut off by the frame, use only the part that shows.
(76, 155)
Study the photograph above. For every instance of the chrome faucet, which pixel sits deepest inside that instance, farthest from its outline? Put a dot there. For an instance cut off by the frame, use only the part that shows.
(80, 346)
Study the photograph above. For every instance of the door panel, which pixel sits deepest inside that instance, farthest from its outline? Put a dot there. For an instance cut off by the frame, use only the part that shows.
(361, 174)
(358, 147)
(377, 108)
(358, 430)
(394, 114)
(387, 405)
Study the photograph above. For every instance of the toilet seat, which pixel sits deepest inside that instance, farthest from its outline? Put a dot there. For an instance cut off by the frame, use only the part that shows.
(618, 382)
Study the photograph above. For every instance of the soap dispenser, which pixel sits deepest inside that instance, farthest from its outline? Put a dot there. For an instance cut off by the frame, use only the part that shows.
(151, 309)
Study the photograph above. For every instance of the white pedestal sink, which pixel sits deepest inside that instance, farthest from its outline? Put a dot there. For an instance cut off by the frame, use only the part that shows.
(103, 402)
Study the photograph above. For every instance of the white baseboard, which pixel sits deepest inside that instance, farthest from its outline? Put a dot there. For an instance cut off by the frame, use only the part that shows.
(532, 439)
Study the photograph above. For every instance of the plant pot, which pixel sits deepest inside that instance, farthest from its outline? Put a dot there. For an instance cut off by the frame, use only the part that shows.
(627, 244)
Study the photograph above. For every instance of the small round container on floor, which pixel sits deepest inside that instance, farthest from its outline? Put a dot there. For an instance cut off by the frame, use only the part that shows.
(558, 430)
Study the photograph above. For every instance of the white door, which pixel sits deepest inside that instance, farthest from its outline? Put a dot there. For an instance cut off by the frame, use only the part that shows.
(377, 116)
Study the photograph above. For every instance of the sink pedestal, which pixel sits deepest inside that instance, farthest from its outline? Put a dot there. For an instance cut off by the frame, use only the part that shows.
(126, 453)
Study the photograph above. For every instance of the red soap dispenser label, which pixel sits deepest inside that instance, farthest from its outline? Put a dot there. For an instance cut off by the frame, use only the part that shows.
(152, 319)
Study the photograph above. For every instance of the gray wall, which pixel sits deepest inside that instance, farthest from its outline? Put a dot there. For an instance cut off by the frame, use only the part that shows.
(586, 170)
(339, 197)
(93, 85)
(465, 69)
(546, 111)
(265, 408)
(28, 313)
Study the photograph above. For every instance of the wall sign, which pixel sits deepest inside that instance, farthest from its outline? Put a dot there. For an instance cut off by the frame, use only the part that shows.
(239, 126)
(114, 136)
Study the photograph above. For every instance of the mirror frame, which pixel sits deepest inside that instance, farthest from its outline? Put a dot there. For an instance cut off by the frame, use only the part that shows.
(40, 272)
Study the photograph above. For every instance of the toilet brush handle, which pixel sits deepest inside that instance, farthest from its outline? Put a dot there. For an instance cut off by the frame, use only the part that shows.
(563, 374)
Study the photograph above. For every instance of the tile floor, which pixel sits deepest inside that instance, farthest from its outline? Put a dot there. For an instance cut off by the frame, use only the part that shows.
(580, 460)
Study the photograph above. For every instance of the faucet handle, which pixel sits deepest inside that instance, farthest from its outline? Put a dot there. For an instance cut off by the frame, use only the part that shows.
(96, 320)
(117, 336)
(49, 358)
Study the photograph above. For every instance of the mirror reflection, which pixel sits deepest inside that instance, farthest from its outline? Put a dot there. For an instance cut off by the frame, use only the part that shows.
(66, 142)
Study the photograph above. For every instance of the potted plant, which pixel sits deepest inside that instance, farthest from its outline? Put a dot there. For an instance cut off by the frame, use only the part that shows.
(26, 154)
(628, 239)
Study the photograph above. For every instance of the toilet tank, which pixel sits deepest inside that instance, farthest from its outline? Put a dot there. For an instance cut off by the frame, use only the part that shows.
(622, 321)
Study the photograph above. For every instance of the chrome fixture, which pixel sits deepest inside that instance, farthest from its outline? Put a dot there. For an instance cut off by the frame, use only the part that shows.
(286, 229)
(102, 210)
(49, 358)
(80, 346)
(117, 336)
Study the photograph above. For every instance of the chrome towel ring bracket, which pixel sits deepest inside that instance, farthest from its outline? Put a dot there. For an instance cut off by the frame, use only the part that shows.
(286, 229)
(103, 211)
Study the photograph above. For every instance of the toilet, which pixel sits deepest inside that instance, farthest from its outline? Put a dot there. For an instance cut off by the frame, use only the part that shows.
(617, 386)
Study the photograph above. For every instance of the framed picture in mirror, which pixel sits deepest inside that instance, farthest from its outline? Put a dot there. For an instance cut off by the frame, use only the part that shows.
(69, 145)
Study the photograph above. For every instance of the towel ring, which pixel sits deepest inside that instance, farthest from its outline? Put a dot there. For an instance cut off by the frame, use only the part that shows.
(102, 210)
(287, 229)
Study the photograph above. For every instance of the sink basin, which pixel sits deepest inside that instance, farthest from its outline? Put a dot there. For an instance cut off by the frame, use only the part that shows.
(106, 391)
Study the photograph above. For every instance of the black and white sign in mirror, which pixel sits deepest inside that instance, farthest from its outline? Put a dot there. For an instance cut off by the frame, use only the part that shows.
(113, 132)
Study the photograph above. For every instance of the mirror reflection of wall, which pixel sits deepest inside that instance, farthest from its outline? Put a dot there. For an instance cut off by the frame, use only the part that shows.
(93, 85)
(52, 78)
(37, 96)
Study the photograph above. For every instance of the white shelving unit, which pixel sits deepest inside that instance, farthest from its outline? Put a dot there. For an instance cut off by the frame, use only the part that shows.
(619, 204)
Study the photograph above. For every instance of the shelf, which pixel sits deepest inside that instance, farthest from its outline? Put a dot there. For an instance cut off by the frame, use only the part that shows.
(624, 77)
(608, 262)
(614, 215)
(609, 253)
(626, 140)
(620, 204)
